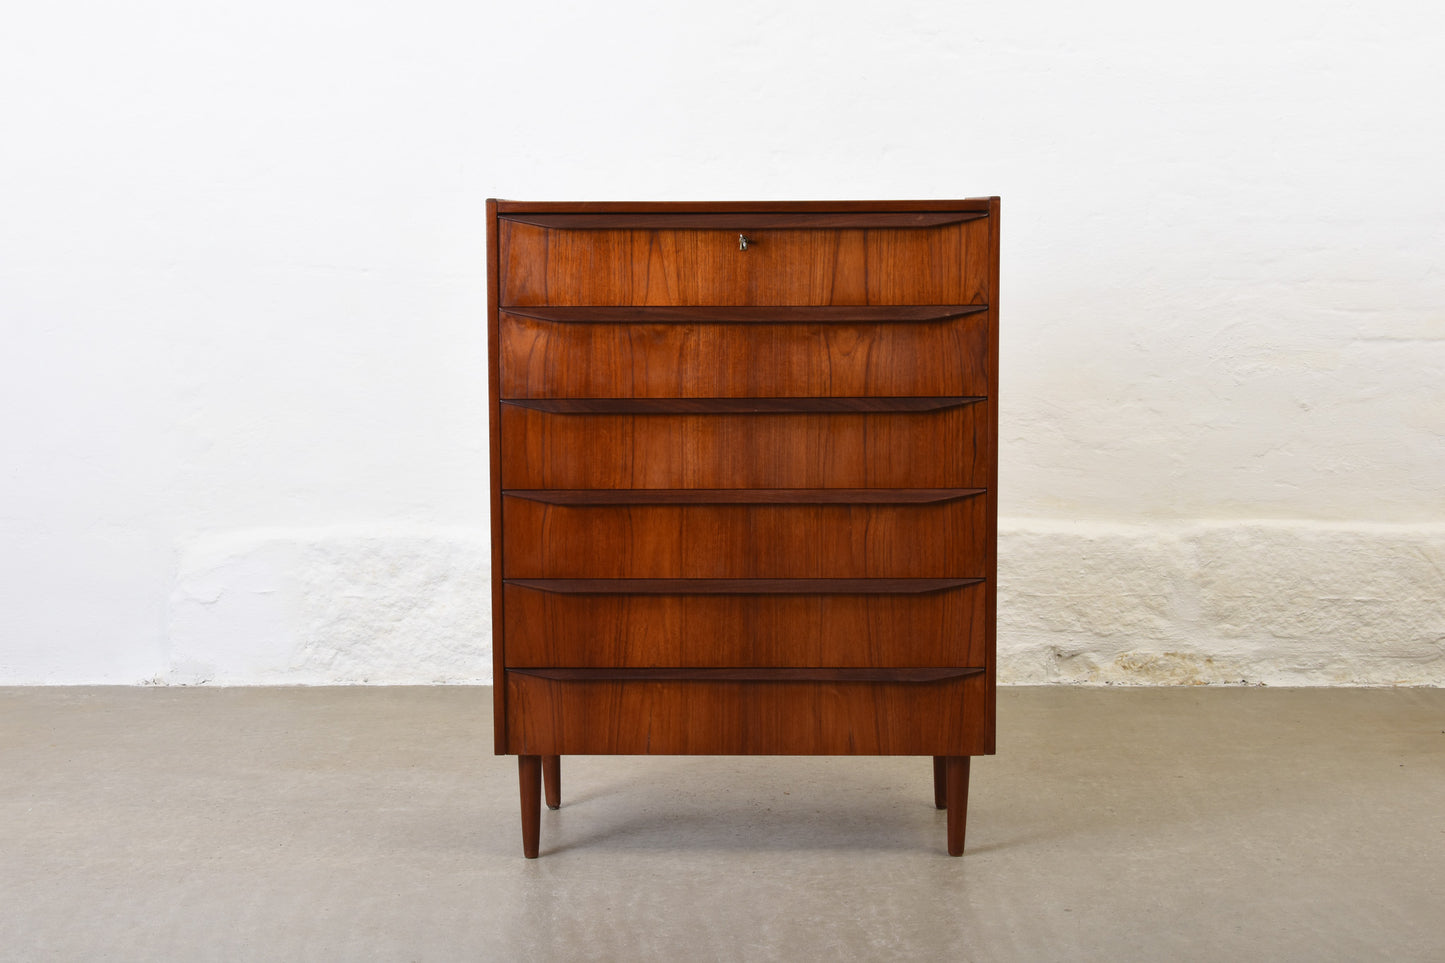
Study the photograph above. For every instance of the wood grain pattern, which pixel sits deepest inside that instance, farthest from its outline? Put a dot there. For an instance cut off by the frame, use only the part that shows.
(566, 359)
(543, 450)
(743, 220)
(940, 540)
(935, 265)
(507, 206)
(770, 314)
(938, 628)
(748, 674)
(738, 406)
(745, 496)
(725, 718)
(742, 586)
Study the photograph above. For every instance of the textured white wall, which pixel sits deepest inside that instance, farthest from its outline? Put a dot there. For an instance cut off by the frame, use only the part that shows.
(242, 294)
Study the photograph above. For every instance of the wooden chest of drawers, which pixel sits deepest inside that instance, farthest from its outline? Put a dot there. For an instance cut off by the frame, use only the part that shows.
(743, 482)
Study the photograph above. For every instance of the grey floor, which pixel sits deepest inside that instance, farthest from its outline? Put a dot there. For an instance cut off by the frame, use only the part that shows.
(374, 823)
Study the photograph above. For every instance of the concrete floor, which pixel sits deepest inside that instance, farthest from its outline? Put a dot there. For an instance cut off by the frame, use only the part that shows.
(374, 823)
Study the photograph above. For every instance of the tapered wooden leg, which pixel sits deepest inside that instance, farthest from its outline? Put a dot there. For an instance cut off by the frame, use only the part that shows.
(529, 771)
(940, 794)
(956, 779)
(552, 780)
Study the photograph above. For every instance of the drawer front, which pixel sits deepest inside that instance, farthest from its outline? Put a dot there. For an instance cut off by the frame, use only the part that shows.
(647, 625)
(944, 264)
(944, 540)
(944, 448)
(779, 353)
(553, 717)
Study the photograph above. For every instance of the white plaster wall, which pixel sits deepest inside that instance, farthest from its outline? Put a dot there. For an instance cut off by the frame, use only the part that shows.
(242, 296)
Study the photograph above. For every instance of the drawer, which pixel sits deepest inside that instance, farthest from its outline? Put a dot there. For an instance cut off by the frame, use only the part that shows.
(861, 258)
(712, 443)
(582, 534)
(745, 622)
(600, 352)
(622, 713)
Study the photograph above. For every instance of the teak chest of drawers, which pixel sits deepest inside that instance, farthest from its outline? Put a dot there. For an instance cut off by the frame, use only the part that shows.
(743, 482)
